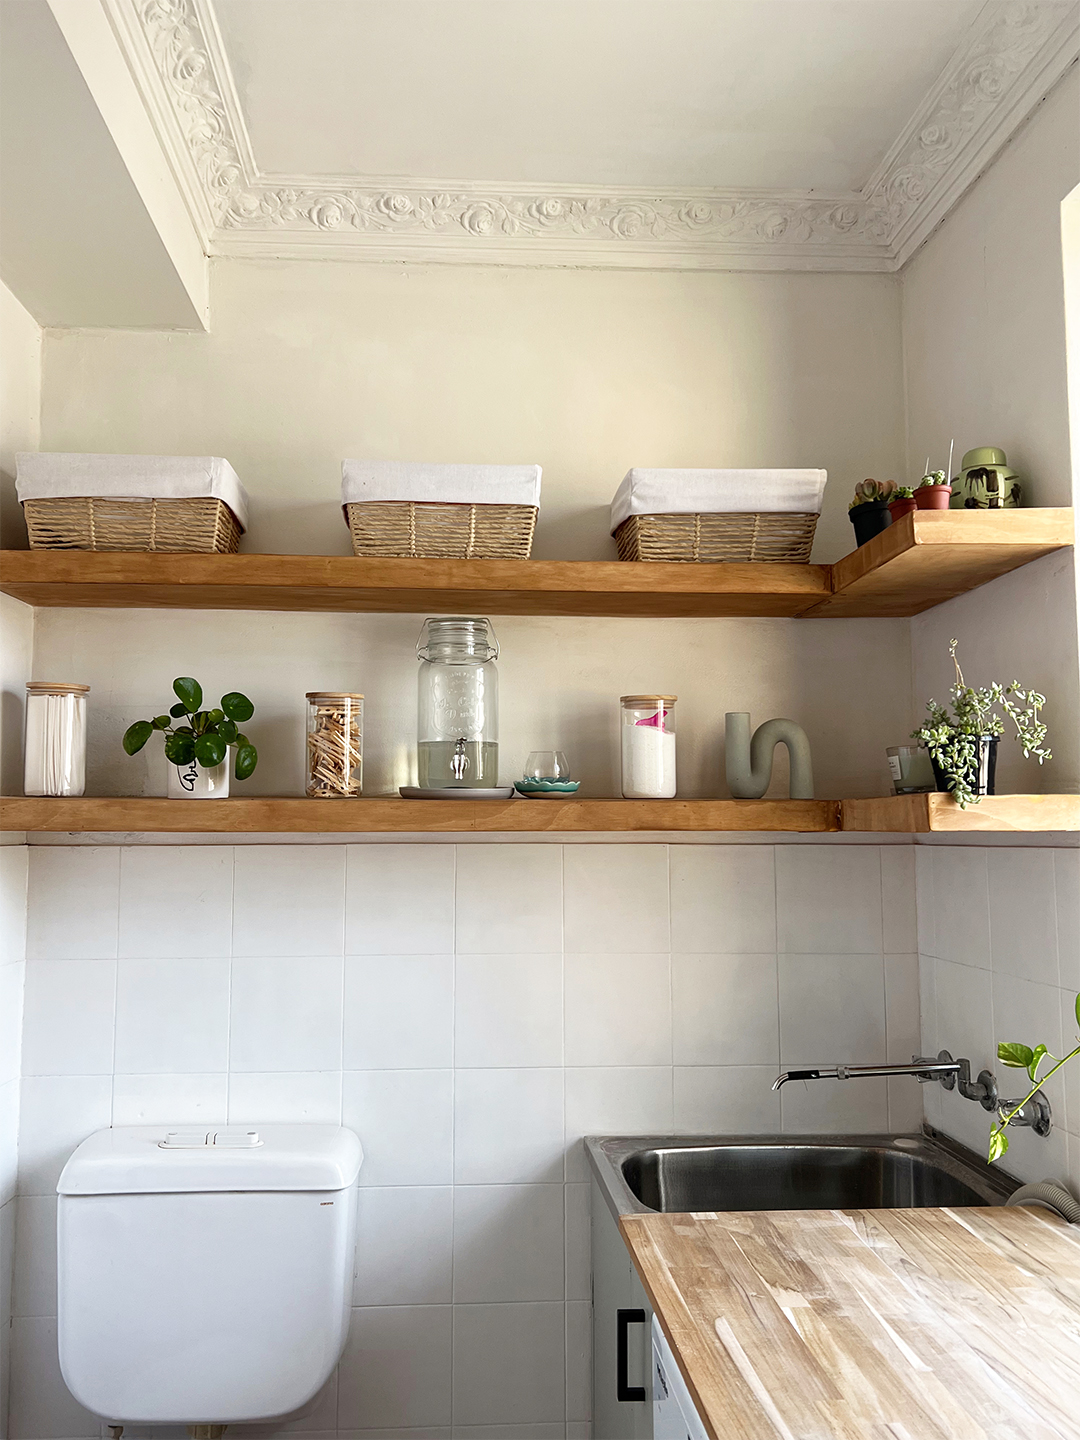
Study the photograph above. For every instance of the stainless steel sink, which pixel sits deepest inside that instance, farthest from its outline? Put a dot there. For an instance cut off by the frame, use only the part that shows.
(639, 1174)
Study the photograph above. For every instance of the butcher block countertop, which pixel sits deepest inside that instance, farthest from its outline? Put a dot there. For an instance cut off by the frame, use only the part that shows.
(926, 1324)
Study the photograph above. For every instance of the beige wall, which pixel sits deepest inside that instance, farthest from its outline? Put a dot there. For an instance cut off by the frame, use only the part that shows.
(583, 372)
(586, 373)
(984, 361)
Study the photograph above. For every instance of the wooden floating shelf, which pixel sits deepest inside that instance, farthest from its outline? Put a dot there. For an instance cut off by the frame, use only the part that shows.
(925, 558)
(937, 813)
(910, 814)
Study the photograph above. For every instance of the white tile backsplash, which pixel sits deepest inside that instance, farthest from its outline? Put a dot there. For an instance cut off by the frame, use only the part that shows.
(285, 1013)
(442, 1002)
(725, 1010)
(399, 1011)
(176, 900)
(172, 1016)
(618, 1009)
(508, 1010)
(288, 900)
(1005, 926)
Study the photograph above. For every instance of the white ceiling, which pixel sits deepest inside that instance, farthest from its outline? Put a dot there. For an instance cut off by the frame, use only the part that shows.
(763, 94)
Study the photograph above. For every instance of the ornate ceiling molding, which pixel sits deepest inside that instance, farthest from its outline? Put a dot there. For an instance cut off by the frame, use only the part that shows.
(1009, 62)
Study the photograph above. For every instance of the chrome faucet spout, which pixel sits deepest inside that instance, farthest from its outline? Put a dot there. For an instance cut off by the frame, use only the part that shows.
(944, 1068)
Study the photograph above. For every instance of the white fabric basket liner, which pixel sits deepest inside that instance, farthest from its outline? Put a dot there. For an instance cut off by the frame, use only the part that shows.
(52, 476)
(704, 492)
(397, 480)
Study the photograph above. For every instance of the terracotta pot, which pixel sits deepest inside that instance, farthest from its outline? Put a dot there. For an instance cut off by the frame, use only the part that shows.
(903, 506)
(933, 497)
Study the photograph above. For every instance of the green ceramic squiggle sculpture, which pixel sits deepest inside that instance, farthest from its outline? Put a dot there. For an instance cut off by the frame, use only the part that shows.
(749, 762)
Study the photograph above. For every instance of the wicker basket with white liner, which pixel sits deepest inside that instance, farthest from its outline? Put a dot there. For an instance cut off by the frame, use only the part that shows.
(168, 503)
(455, 512)
(717, 515)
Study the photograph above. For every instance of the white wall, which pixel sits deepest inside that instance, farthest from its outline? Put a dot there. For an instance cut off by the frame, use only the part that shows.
(20, 377)
(984, 363)
(472, 1012)
(20, 411)
(999, 943)
(583, 372)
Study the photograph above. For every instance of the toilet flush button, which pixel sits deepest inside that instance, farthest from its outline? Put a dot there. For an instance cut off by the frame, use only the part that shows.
(184, 1140)
(237, 1139)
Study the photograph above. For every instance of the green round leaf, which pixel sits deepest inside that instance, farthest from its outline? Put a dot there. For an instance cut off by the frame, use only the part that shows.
(210, 750)
(180, 749)
(247, 758)
(178, 709)
(215, 716)
(189, 691)
(228, 731)
(161, 722)
(199, 721)
(184, 730)
(1012, 1053)
(237, 706)
(136, 736)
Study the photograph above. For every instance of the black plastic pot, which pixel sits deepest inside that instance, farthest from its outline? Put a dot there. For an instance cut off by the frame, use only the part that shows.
(987, 768)
(870, 519)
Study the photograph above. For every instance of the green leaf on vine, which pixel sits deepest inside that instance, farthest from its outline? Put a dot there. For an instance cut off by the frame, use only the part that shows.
(1016, 1055)
(999, 1143)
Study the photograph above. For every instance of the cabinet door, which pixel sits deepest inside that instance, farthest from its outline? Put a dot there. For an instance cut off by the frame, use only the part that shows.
(616, 1287)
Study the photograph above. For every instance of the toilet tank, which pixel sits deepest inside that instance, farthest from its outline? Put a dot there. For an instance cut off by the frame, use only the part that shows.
(205, 1275)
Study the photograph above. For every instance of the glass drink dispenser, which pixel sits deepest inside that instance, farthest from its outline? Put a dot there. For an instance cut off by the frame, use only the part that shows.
(457, 704)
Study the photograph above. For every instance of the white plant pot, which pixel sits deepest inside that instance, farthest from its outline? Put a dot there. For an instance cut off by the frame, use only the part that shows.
(192, 782)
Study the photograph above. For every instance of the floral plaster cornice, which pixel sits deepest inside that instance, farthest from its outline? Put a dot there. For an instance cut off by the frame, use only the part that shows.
(1009, 61)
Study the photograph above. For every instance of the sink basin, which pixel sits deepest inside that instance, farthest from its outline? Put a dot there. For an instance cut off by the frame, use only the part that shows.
(675, 1175)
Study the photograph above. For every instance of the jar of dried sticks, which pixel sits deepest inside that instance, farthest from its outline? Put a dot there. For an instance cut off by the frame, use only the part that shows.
(335, 744)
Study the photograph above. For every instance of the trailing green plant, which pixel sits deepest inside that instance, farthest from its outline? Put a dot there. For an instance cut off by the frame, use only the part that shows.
(953, 739)
(934, 477)
(868, 491)
(205, 735)
(1023, 1057)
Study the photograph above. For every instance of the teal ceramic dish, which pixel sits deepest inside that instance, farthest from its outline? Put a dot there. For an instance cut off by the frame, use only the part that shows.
(539, 789)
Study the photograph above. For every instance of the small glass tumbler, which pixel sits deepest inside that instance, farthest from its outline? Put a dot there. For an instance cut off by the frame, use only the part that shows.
(648, 747)
(911, 770)
(546, 765)
(335, 744)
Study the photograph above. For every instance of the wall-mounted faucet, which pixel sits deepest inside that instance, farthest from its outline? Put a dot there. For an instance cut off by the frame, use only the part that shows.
(949, 1073)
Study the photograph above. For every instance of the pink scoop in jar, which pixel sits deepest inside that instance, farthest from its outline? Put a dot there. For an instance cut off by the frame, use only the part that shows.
(657, 720)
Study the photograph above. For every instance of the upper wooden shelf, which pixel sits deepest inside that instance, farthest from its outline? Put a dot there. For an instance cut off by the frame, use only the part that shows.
(927, 557)
(386, 814)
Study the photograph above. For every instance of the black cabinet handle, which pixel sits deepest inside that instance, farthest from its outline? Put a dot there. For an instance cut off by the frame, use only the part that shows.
(623, 1320)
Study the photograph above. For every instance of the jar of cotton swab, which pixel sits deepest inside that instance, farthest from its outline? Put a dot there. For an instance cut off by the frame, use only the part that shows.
(54, 755)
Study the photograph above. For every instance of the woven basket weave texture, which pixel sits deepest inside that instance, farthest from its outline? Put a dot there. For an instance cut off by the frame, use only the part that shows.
(202, 525)
(425, 530)
(777, 536)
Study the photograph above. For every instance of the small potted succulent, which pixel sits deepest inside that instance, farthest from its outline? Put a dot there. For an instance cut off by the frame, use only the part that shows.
(198, 748)
(934, 491)
(963, 743)
(902, 502)
(869, 511)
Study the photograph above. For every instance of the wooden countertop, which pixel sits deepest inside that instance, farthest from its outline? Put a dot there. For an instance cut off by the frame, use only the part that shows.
(935, 1324)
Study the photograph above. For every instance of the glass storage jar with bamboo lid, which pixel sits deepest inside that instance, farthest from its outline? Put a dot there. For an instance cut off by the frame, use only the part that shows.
(335, 744)
(54, 749)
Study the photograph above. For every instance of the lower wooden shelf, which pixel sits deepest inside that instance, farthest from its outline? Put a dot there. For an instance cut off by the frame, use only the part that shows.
(926, 814)
(387, 814)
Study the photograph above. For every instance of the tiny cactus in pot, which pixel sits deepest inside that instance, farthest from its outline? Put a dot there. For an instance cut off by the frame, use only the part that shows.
(934, 491)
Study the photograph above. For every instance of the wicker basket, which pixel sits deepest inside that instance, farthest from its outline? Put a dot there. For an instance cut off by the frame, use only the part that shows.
(203, 525)
(776, 536)
(425, 530)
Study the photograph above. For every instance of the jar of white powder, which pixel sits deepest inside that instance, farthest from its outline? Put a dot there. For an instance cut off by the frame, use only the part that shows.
(648, 746)
(54, 756)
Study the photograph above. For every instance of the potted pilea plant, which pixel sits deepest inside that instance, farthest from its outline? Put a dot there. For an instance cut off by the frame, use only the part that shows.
(198, 748)
(902, 502)
(869, 511)
(1023, 1057)
(934, 491)
(963, 743)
